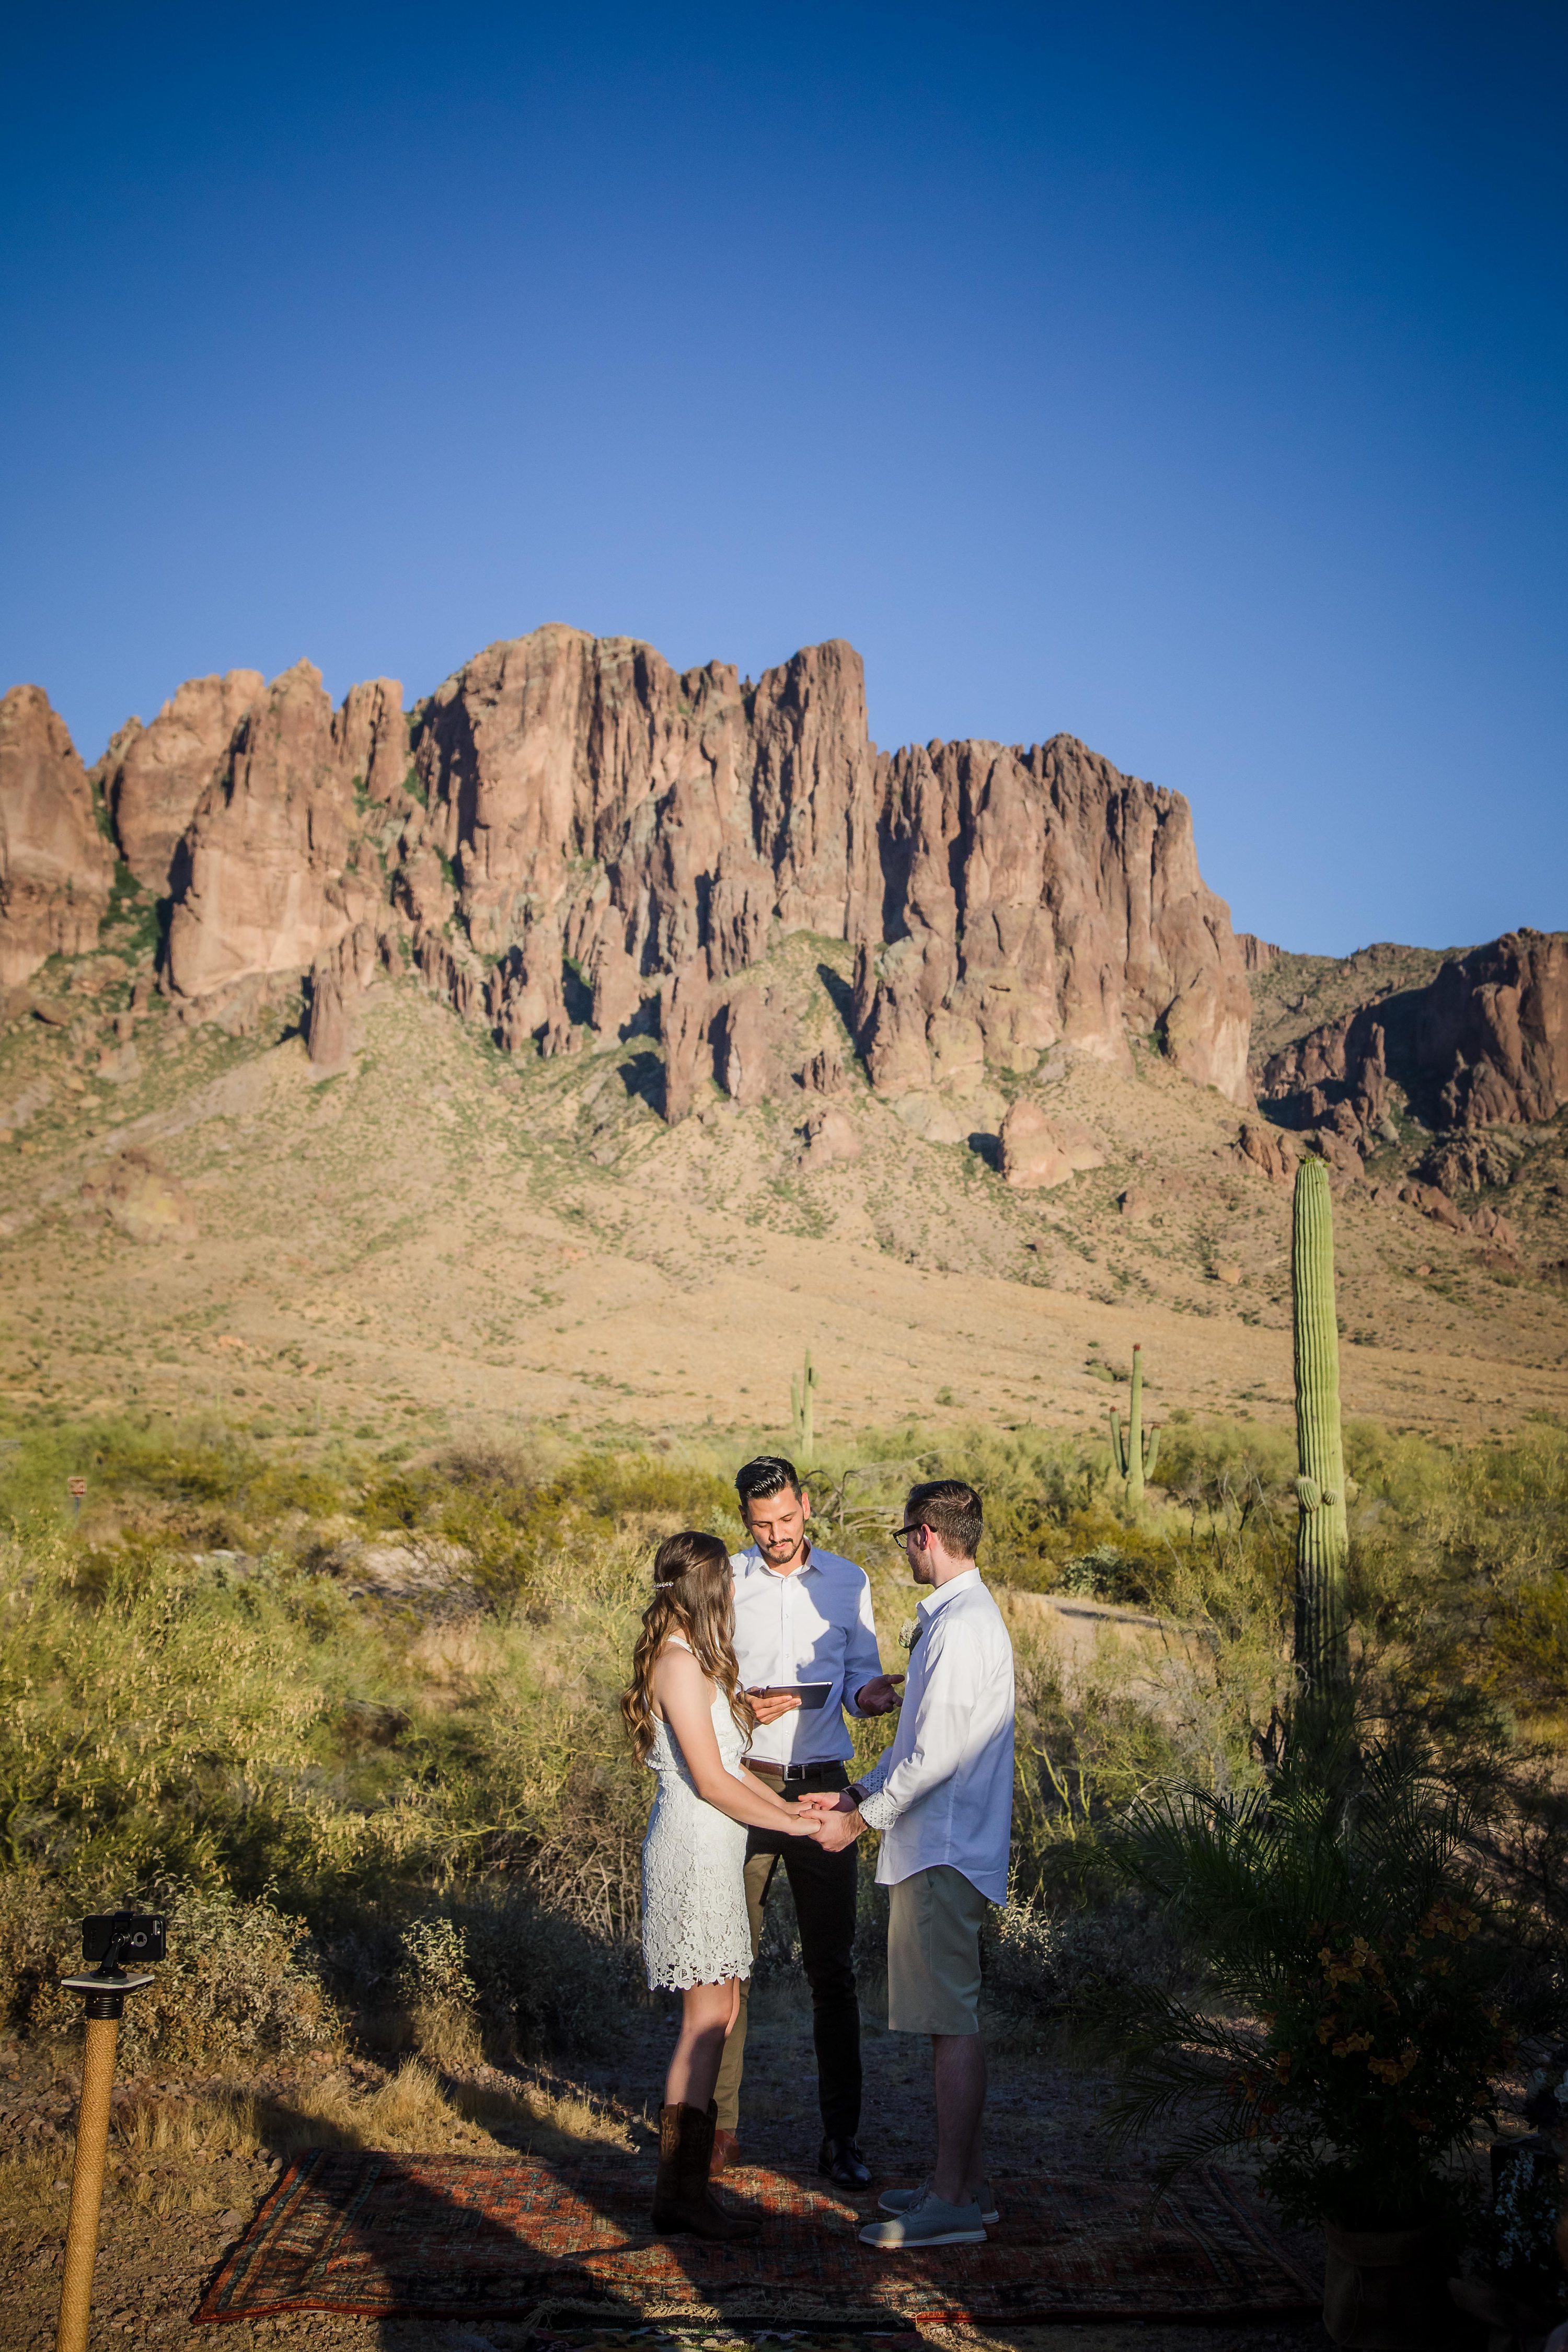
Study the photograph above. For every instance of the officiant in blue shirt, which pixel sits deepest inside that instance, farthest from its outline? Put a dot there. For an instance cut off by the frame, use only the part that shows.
(804, 1626)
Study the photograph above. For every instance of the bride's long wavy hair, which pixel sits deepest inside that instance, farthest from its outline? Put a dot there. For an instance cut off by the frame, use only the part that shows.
(694, 1595)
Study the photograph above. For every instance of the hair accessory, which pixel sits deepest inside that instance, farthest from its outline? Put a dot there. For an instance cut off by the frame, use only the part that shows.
(667, 1586)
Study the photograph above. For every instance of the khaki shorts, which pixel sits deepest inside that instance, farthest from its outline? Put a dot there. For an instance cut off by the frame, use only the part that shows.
(933, 1953)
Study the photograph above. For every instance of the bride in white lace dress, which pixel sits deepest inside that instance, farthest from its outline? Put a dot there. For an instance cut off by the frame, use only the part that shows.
(690, 1722)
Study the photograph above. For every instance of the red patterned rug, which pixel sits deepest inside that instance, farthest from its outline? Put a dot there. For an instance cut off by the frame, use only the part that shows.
(454, 2236)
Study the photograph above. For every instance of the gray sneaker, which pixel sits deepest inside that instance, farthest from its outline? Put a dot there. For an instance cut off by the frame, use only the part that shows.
(901, 2200)
(932, 2222)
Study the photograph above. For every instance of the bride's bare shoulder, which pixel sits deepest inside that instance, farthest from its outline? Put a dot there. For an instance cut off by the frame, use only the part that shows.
(675, 1673)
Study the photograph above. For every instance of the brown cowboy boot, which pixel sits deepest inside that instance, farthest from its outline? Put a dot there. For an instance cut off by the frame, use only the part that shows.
(726, 2151)
(681, 2200)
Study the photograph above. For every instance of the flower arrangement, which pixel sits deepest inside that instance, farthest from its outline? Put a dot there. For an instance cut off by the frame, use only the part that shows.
(1350, 2030)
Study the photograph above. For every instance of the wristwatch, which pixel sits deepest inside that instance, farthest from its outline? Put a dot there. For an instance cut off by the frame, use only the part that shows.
(856, 1793)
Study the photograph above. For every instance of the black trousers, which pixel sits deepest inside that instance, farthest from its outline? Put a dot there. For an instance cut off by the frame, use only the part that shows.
(825, 1889)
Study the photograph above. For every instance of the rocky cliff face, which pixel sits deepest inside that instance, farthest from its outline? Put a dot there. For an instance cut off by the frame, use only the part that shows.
(658, 832)
(276, 865)
(600, 810)
(1494, 1024)
(56, 869)
(573, 839)
(1034, 897)
(153, 777)
(1483, 1044)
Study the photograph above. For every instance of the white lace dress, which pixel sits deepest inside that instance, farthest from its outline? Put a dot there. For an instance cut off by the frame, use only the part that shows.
(694, 1923)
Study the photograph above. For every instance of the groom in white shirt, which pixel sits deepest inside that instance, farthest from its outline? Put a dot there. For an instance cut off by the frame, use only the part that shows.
(942, 1796)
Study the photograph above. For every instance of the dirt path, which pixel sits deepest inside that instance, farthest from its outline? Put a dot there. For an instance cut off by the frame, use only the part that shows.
(170, 2214)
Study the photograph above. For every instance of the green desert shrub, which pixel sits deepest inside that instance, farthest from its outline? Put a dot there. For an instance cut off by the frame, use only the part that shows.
(240, 1981)
(246, 1730)
(531, 1772)
(487, 1967)
(153, 1727)
(198, 1481)
(541, 1980)
(434, 1987)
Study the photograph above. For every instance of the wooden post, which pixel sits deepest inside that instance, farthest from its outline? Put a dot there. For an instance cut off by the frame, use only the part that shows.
(87, 2173)
(105, 2005)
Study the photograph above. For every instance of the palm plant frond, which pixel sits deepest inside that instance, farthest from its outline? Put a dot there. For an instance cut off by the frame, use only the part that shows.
(1348, 2017)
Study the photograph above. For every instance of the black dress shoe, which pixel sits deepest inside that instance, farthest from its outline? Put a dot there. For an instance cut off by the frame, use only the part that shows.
(843, 2163)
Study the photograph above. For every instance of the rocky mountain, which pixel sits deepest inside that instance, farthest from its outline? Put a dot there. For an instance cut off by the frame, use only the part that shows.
(56, 869)
(591, 1038)
(575, 846)
(153, 777)
(571, 841)
(1480, 1043)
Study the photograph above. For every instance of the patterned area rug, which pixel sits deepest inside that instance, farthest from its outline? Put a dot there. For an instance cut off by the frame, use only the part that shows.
(445, 2237)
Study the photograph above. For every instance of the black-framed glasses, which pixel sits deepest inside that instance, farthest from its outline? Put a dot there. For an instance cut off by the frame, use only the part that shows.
(897, 1535)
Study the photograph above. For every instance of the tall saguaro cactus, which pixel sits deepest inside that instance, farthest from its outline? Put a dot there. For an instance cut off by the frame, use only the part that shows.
(803, 1413)
(1322, 1540)
(1134, 1451)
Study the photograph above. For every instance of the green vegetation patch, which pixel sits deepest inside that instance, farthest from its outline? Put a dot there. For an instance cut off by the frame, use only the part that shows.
(320, 1701)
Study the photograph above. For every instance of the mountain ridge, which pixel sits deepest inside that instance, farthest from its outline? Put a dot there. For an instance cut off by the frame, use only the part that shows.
(565, 804)
(576, 847)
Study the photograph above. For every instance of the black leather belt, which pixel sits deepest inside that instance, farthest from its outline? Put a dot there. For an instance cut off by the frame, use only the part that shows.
(791, 1772)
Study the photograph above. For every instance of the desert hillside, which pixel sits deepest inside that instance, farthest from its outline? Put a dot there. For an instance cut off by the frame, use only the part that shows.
(586, 1043)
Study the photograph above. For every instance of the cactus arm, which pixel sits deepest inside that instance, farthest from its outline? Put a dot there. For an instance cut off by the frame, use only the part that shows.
(1118, 1451)
(1321, 1534)
(1151, 1450)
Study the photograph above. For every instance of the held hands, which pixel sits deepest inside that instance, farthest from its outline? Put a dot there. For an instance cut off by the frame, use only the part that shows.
(839, 1816)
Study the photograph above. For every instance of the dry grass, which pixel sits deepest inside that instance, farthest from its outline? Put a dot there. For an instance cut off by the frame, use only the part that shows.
(173, 2155)
(420, 2108)
(34, 2174)
(423, 2109)
(224, 2124)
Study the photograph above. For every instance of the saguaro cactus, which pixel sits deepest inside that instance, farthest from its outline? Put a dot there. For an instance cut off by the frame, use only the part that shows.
(802, 1407)
(1323, 1539)
(1134, 1451)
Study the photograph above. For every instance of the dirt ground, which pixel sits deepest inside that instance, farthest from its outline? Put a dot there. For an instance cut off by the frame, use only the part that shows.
(170, 2212)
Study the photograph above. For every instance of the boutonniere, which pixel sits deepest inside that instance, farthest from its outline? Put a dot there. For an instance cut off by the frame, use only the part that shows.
(910, 1634)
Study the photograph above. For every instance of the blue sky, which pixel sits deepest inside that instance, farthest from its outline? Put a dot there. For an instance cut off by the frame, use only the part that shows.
(1189, 378)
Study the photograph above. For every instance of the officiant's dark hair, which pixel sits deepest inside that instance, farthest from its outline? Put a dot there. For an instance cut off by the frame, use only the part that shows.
(769, 1474)
(694, 1596)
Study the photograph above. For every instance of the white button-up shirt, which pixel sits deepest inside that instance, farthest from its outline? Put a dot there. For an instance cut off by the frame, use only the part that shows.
(814, 1625)
(943, 1791)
